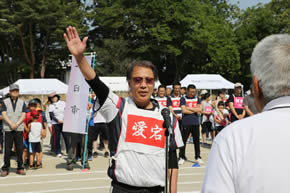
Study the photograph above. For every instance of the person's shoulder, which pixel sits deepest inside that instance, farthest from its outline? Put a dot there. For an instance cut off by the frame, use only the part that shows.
(242, 130)
(61, 102)
(183, 99)
(6, 100)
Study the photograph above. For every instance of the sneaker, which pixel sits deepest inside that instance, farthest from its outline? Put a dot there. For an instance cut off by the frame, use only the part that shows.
(59, 155)
(21, 172)
(4, 173)
(90, 158)
(30, 167)
(199, 160)
(106, 154)
(95, 154)
(69, 167)
(180, 161)
(36, 166)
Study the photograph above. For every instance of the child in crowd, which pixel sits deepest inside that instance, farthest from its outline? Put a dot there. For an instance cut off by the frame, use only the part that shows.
(27, 120)
(35, 130)
(221, 119)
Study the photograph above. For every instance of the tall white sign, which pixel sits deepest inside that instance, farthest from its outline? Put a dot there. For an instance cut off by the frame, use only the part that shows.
(75, 114)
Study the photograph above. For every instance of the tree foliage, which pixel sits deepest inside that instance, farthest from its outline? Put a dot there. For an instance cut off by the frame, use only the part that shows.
(256, 23)
(34, 31)
(179, 36)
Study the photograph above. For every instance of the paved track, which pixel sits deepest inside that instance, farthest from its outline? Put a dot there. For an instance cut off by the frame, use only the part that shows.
(53, 177)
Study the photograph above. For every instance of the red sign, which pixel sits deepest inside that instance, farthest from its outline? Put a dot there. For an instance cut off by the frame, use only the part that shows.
(163, 102)
(176, 103)
(191, 103)
(145, 130)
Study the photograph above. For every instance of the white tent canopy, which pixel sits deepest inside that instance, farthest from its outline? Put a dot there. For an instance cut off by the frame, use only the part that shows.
(39, 87)
(207, 81)
(119, 83)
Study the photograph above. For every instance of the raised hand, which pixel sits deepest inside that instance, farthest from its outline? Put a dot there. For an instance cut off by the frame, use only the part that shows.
(74, 43)
(77, 49)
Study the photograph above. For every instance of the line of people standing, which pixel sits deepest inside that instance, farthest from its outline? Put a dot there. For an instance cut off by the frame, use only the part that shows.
(23, 128)
(212, 115)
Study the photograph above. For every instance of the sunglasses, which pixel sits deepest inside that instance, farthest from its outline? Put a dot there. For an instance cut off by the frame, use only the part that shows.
(139, 80)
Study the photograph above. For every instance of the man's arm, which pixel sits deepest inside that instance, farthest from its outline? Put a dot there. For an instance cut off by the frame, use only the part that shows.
(233, 110)
(12, 125)
(248, 110)
(77, 48)
(243, 114)
(185, 110)
(174, 114)
(26, 128)
(197, 109)
(52, 117)
(21, 119)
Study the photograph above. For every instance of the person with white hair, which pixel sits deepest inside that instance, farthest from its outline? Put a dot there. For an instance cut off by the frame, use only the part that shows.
(251, 155)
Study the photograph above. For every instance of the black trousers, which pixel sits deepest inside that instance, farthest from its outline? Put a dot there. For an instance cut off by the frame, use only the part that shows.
(186, 130)
(11, 137)
(124, 188)
(73, 140)
(57, 133)
(1, 137)
(93, 133)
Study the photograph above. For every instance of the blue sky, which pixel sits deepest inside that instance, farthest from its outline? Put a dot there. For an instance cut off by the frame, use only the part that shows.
(248, 3)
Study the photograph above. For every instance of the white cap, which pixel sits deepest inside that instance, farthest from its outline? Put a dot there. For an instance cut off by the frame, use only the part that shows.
(238, 84)
(203, 92)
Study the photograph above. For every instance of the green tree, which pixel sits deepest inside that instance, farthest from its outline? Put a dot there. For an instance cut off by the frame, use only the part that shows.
(180, 37)
(256, 23)
(36, 33)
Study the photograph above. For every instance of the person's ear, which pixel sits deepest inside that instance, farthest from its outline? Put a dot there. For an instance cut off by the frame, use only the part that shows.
(258, 94)
(256, 87)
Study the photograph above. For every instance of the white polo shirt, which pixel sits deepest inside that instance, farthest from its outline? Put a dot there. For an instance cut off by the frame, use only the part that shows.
(252, 155)
(99, 118)
(58, 110)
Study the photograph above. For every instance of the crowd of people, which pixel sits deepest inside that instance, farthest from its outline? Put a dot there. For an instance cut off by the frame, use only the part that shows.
(133, 127)
(24, 126)
(193, 112)
(203, 113)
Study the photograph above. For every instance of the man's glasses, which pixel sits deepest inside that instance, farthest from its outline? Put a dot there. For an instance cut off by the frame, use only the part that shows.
(139, 80)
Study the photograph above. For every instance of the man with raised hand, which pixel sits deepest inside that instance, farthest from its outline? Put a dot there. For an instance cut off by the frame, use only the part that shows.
(136, 134)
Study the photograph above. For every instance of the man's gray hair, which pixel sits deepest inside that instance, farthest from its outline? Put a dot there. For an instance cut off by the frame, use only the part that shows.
(270, 63)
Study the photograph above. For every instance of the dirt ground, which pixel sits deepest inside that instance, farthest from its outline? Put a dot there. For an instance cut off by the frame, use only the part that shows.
(54, 177)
